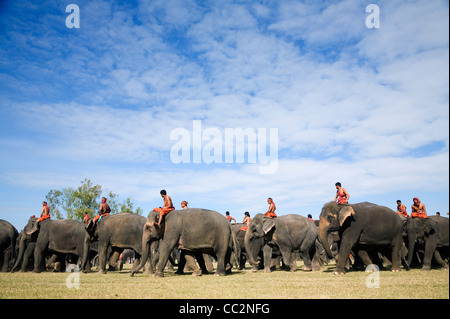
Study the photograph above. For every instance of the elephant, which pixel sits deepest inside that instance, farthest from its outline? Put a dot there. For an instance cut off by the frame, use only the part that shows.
(117, 231)
(53, 237)
(192, 230)
(257, 250)
(433, 232)
(8, 237)
(256, 247)
(362, 223)
(290, 233)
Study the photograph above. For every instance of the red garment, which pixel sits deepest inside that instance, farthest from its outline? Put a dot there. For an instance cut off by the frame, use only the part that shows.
(43, 217)
(164, 210)
(401, 210)
(421, 214)
(244, 228)
(99, 215)
(270, 214)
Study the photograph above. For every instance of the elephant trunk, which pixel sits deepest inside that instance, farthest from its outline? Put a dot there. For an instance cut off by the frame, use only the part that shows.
(144, 252)
(411, 246)
(86, 250)
(248, 248)
(323, 236)
(21, 252)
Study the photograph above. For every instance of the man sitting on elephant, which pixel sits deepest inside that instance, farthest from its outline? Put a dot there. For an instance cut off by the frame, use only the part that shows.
(167, 207)
(247, 220)
(45, 212)
(418, 209)
(271, 212)
(401, 209)
(342, 196)
(104, 210)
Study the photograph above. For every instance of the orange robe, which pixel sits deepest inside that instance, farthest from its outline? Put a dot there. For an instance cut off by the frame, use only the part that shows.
(401, 210)
(270, 214)
(163, 210)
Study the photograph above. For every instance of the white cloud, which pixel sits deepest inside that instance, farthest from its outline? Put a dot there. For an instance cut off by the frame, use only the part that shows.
(365, 107)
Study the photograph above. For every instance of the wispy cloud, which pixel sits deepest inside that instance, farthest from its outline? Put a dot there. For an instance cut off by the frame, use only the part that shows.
(368, 107)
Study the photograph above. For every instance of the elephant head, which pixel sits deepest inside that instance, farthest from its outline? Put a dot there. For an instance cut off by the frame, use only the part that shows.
(259, 227)
(27, 235)
(332, 218)
(152, 232)
(32, 226)
(423, 229)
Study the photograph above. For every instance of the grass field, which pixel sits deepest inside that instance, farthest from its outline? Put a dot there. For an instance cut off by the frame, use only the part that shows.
(245, 284)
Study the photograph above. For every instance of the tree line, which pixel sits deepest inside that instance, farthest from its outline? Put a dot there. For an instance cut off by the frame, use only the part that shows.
(72, 203)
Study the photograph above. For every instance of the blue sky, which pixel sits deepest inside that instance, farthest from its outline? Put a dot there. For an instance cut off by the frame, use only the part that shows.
(366, 107)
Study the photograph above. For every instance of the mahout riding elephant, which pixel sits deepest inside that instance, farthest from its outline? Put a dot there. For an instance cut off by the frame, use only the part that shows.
(8, 237)
(119, 231)
(192, 230)
(363, 223)
(430, 234)
(290, 233)
(54, 237)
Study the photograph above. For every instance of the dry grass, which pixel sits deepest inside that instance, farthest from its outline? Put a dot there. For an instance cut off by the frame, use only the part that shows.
(414, 284)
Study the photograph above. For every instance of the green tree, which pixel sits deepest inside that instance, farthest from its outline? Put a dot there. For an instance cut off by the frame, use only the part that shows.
(85, 198)
(54, 198)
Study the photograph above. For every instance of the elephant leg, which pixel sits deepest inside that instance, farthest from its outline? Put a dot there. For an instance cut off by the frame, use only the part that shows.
(28, 257)
(6, 259)
(267, 251)
(439, 260)
(181, 263)
(165, 248)
(39, 258)
(308, 251)
(403, 253)
(114, 259)
(307, 262)
(430, 248)
(102, 251)
(190, 260)
(208, 263)
(201, 258)
(396, 250)
(364, 257)
(221, 266)
(277, 262)
(288, 258)
(51, 261)
(349, 239)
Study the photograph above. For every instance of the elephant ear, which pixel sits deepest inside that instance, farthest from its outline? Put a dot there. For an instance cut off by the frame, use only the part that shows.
(345, 212)
(430, 226)
(268, 224)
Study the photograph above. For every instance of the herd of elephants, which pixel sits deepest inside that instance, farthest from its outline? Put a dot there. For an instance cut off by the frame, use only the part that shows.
(355, 235)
